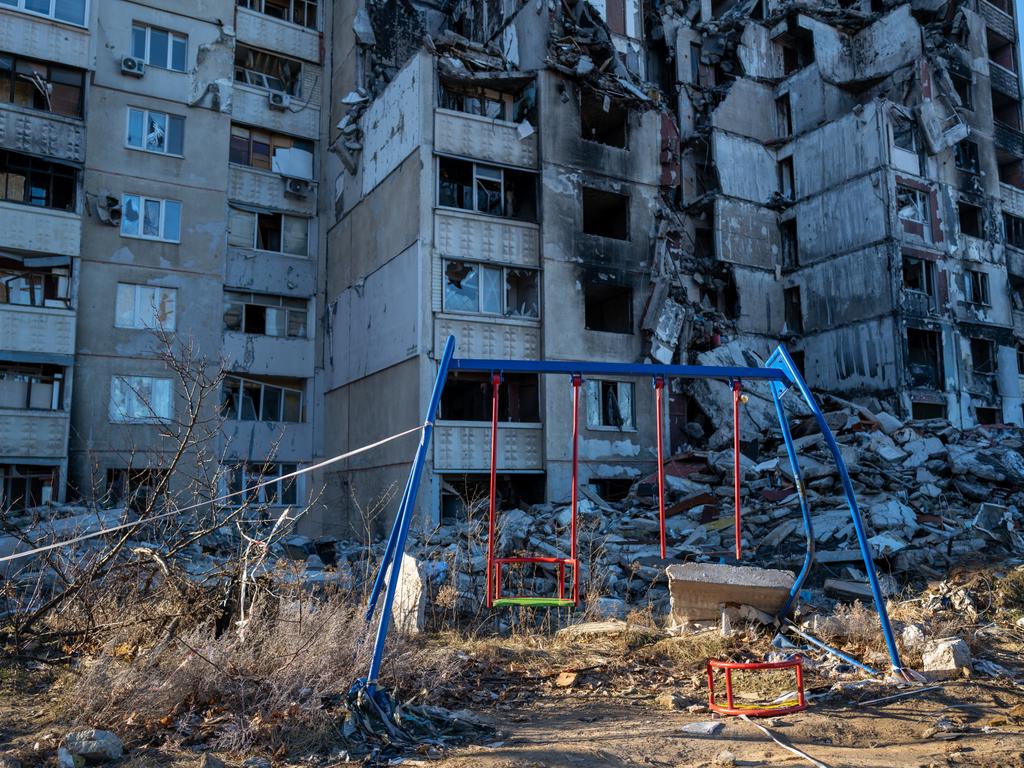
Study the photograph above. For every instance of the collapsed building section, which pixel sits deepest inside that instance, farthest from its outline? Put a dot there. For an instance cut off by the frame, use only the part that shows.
(683, 182)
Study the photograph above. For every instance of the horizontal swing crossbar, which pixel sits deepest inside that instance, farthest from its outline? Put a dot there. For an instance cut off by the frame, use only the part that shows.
(483, 365)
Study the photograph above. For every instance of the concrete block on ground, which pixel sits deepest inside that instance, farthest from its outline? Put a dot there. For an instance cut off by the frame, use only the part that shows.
(409, 610)
(946, 659)
(698, 589)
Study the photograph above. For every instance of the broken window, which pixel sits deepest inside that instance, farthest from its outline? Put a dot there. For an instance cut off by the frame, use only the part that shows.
(914, 212)
(603, 119)
(269, 151)
(924, 356)
(462, 494)
(159, 47)
(280, 488)
(797, 50)
(145, 306)
(983, 356)
(605, 214)
(140, 399)
(26, 486)
(783, 117)
(268, 231)
(262, 398)
(1014, 226)
(965, 155)
(31, 180)
(923, 410)
(491, 290)
(608, 307)
(1020, 359)
(788, 241)
(31, 386)
(962, 86)
(301, 12)
(156, 131)
(39, 85)
(794, 310)
(475, 100)
(787, 184)
(265, 315)
(151, 219)
(486, 189)
(1016, 293)
(986, 415)
(468, 397)
(135, 489)
(976, 287)
(71, 11)
(267, 71)
(918, 275)
(609, 404)
(904, 132)
(611, 488)
(23, 284)
(971, 220)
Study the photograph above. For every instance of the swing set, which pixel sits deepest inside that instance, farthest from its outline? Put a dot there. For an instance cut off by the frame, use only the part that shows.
(781, 375)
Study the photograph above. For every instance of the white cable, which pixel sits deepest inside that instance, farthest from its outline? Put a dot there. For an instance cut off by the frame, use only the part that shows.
(257, 486)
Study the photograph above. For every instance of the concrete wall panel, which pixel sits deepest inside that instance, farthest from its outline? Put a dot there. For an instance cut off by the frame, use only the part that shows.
(270, 273)
(33, 434)
(393, 126)
(838, 151)
(463, 447)
(37, 329)
(272, 34)
(41, 133)
(267, 355)
(842, 219)
(28, 228)
(28, 35)
(485, 238)
(747, 234)
(746, 169)
(852, 359)
(488, 339)
(456, 133)
(249, 106)
(266, 189)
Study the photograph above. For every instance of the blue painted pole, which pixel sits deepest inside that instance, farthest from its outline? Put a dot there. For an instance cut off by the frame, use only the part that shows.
(405, 513)
(389, 552)
(805, 509)
(781, 360)
(829, 649)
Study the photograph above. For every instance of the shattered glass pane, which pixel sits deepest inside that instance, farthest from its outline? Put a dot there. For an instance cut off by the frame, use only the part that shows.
(522, 297)
(130, 215)
(461, 288)
(156, 131)
(911, 204)
(151, 219)
(296, 235)
(292, 406)
(488, 190)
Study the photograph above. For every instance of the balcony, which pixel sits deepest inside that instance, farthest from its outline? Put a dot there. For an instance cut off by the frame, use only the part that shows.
(490, 339)
(1004, 81)
(486, 238)
(33, 434)
(1008, 139)
(265, 272)
(258, 440)
(266, 189)
(998, 20)
(42, 133)
(250, 105)
(268, 355)
(1012, 199)
(45, 39)
(1014, 261)
(1018, 324)
(38, 330)
(466, 447)
(482, 138)
(282, 37)
(918, 304)
(29, 228)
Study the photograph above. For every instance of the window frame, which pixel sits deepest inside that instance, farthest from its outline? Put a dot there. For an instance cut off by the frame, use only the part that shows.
(275, 140)
(15, 59)
(52, 170)
(143, 199)
(504, 270)
(977, 281)
(20, 6)
(629, 424)
(235, 210)
(134, 391)
(288, 312)
(168, 117)
(138, 323)
(36, 375)
(992, 358)
(1013, 222)
(965, 149)
(292, 4)
(241, 381)
(295, 91)
(172, 37)
(257, 473)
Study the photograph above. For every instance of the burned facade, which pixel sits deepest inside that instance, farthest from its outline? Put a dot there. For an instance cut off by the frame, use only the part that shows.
(313, 196)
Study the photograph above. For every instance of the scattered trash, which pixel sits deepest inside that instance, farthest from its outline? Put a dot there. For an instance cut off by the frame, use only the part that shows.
(705, 728)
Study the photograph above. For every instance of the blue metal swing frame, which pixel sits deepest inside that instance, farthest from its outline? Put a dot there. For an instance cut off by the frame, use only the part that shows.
(779, 371)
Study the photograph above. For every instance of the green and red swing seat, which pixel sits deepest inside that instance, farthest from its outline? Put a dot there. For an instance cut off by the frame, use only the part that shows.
(495, 565)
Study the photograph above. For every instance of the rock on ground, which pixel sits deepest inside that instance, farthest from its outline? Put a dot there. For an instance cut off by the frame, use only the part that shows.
(944, 659)
(95, 746)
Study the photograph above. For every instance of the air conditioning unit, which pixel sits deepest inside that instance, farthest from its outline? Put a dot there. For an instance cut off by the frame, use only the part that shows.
(296, 187)
(278, 100)
(130, 65)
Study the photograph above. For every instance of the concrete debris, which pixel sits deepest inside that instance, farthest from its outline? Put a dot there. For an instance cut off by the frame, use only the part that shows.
(697, 590)
(946, 659)
(704, 728)
(94, 746)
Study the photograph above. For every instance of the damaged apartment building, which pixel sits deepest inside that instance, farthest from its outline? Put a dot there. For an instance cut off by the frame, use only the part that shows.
(309, 197)
(677, 181)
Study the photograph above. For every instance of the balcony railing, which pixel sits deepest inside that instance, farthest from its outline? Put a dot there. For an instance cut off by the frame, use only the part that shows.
(998, 20)
(1004, 81)
(918, 304)
(1008, 139)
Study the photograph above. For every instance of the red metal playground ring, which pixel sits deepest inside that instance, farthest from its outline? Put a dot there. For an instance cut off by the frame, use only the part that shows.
(757, 710)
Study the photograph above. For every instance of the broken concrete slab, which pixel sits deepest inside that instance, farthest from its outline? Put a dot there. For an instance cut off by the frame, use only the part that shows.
(946, 659)
(697, 590)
